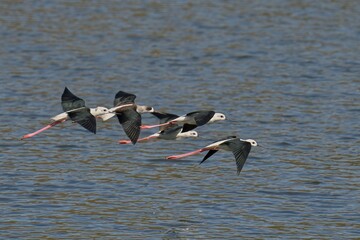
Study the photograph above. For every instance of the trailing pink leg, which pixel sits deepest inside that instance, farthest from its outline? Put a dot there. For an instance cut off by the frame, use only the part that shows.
(124, 141)
(139, 140)
(158, 125)
(152, 126)
(186, 154)
(42, 129)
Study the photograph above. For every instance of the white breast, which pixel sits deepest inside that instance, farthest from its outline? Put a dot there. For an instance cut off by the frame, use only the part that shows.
(60, 116)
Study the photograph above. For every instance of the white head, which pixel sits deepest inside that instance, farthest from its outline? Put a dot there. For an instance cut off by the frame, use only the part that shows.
(251, 141)
(192, 133)
(144, 109)
(101, 112)
(217, 117)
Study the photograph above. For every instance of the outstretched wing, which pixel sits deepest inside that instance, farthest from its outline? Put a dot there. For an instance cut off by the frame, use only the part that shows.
(173, 130)
(188, 127)
(123, 98)
(164, 117)
(240, 150)
(70, 102)
(131, 122)
(209, 154)
(201, 117)
(84, 118)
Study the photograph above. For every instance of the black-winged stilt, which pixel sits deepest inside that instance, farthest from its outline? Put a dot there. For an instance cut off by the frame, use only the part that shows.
(188, 121)
(239, 147)
(171, 133)
(75, 109)
(128, 114)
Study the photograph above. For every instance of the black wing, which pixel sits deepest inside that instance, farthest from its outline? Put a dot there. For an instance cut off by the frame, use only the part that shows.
(131, 122)
(84, 118)
(240, 150)
(188, 127)
(201, 117)
(171, 132)
(164, 117)
(123, 98)
(69, 101)
(209, 154)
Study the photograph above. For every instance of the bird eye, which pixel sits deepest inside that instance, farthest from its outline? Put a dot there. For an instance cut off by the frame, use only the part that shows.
(104, 110)
(148, 108)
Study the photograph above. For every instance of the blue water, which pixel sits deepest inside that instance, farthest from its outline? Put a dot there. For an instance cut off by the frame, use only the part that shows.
(285, 73)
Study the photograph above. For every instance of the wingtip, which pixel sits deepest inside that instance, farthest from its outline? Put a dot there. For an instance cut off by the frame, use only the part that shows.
(66, 89)
(239, 171)
(133, 140)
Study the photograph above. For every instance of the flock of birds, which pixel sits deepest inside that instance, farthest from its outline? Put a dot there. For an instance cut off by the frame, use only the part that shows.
(171, 126)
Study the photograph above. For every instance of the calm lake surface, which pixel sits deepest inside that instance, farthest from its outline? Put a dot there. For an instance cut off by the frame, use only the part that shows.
(285, 73)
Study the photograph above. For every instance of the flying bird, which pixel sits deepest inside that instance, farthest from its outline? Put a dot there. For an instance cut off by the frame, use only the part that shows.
(239, 147)
(128, 114)
(172, 133)
(74, 109)
(188, 121)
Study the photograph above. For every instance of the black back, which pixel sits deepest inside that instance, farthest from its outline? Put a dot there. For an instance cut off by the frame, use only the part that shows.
(201, 117)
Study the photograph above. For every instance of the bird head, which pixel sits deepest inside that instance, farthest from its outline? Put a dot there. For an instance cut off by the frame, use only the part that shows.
(251, 141)
(102, 112)
(192, 134)
(144, 109)
(218, 117)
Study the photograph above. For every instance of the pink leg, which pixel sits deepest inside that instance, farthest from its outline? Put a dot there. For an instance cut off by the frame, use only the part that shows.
(43, 129)
(152, 126)
(186, 154)
(139, 140)
(124, 141)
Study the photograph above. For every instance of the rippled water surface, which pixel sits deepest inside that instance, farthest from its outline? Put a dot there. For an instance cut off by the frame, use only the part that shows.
(286, 73)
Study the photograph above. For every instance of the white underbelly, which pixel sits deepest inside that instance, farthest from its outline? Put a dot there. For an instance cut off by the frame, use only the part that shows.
(60, 117)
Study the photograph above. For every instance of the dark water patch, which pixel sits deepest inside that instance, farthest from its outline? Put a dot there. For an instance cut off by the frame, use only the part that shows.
(67, 146)
(284, 144)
